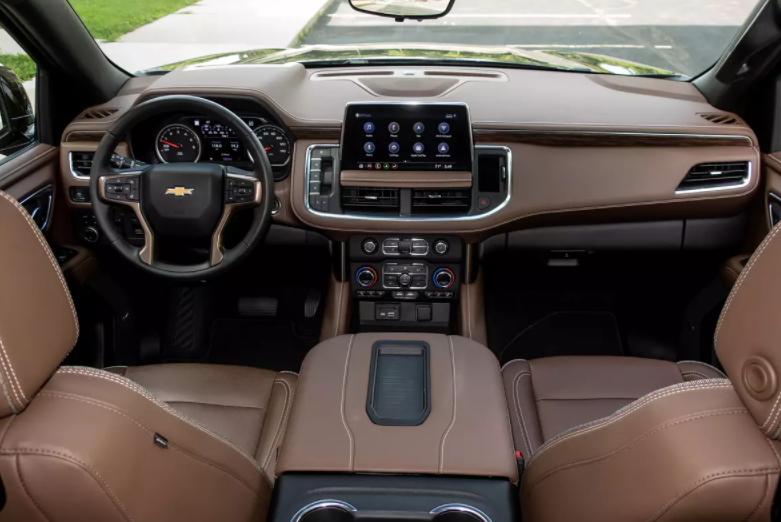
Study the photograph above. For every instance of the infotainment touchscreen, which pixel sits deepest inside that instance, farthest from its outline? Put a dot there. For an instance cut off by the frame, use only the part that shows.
(425, 136)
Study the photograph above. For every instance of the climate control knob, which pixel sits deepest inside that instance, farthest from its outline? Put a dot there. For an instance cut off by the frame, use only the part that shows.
(444, 278)
(366, 277)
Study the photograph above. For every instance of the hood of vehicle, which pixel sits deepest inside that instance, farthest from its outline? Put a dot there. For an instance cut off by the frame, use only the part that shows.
(354, 54)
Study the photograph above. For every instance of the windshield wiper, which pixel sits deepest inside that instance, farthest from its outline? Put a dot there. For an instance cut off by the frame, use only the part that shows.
(341, 62)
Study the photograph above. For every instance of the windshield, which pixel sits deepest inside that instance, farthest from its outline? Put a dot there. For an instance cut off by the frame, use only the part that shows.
(673, 38)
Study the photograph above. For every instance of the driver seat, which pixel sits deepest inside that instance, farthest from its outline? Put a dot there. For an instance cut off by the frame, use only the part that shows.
(166, 442)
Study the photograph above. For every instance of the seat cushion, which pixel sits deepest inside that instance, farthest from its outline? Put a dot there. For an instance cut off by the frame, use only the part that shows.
(247, 406)
(547, 397)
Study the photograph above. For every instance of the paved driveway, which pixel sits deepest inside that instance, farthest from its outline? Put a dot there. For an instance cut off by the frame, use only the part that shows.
(686, 36)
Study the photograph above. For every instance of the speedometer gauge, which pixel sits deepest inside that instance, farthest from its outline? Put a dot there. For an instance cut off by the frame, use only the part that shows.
(178, 143)
(275, 143)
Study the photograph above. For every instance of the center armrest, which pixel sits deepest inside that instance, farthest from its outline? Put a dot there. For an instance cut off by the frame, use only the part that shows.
(466, 431)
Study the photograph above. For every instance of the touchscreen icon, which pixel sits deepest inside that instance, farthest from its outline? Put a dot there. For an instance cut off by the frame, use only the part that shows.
(443, 148)
(393, 128)
(419, 128)
(368, 127)
(369, 147)
(418, 148)
(394, 147)
(444, 128)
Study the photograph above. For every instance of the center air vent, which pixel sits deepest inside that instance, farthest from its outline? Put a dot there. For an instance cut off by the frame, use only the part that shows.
(375, 200)
(716, 176)
(442, 202)
(81, 163)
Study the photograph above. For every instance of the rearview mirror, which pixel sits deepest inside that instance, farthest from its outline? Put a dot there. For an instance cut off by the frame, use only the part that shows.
(404, 9)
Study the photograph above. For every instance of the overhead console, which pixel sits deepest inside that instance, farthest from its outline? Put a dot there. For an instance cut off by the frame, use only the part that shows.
(407, 161)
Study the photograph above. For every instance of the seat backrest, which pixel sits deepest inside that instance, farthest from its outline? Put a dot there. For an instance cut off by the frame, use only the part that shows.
(701, 450)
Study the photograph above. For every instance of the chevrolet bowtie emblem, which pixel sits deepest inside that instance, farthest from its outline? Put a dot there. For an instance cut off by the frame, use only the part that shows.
(179, 191)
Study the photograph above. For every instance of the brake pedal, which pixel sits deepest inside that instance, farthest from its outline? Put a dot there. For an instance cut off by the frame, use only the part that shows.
(258, 306)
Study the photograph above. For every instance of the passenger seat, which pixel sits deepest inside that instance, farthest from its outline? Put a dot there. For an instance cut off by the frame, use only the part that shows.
(618, 438)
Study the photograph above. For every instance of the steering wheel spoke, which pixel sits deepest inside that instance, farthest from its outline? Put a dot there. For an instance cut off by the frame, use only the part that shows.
(125, 189)
(241, 190)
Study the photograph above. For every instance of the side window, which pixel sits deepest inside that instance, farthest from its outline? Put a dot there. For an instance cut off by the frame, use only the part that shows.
(17, 94)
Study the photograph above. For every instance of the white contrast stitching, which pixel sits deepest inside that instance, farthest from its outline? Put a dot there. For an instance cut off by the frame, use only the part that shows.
(344, 392)
(127, 383)
(282, 419)
(3, 359)
(697, 374)
(455, 408)
(704, 365)
(518, 410)
(48, 251)
(7, 397)
(623, 412)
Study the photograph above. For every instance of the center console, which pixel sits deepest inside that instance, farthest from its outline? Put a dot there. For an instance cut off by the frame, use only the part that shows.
(400, 426)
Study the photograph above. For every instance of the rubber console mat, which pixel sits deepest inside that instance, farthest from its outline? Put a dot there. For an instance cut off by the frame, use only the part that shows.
(270, 344)
(566, 333)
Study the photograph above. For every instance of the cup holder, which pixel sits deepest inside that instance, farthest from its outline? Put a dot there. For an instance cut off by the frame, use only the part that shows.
(326, 511)
(458, 513)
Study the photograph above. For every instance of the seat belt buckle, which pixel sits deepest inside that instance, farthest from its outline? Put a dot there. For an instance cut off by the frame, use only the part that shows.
(521, 465)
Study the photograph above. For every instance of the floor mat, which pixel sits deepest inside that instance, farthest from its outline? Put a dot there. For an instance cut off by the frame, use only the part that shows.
(566, 333)
(270, 344)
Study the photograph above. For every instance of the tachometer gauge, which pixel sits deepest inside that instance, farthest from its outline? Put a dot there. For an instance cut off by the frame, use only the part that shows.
(275, 143)
(178, 143)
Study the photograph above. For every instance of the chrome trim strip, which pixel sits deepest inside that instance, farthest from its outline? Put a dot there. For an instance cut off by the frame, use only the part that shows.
(508, 155)
(460, 508)
(322, 504)
(746, 181)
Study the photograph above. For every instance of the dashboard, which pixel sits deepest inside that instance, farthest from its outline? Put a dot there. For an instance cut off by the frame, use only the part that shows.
(451, 150)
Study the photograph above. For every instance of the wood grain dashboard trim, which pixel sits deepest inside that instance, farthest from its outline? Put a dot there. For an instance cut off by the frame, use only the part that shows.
(317, 133)
(609, 139)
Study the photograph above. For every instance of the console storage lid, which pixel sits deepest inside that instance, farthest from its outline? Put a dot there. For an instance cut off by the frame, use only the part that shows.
(467, 431)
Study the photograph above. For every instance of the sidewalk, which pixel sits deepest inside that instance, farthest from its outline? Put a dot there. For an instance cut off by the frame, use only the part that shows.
(212, 27)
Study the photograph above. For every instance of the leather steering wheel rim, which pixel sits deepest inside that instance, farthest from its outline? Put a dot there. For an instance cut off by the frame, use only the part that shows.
(262, 172)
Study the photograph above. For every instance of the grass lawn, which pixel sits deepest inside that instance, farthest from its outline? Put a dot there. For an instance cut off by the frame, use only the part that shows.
(21, 64)
(110, 19)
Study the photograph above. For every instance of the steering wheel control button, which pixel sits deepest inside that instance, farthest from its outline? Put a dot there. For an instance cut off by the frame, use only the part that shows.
(368, 127)
(443, 148)
(369, 147)
(419, 128)
(443, 128)
(394, 148)
(441, 247)
(239, 191)
(444, 278)
(369, 246)
(483, 203)
(393, 127)
(418, 148)
(122, 188)
(366, 277)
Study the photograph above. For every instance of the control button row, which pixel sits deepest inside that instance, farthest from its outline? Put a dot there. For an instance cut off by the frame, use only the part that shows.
(122, 188)
(370, 293)
(402, 294)
(239, 191)
(415, 247)
(439, 295)
(392, 268)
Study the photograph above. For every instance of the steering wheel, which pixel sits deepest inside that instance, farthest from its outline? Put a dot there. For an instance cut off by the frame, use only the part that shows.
(181, 201)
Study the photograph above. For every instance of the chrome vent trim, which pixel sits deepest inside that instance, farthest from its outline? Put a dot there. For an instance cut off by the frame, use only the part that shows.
(720, 118)
(80, 163)
(441, 201)
(97, 114)
(370, 199)
(707, 177)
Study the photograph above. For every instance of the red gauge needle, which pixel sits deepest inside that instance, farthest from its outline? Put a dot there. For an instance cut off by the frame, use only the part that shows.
(267, 148)
(169, 143)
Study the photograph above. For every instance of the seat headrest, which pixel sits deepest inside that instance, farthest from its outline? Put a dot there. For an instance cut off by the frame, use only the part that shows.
(748, 334)
(38, 323)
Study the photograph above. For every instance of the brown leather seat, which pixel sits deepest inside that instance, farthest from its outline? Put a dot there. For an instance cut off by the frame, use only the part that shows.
(168, 442)
(617, 439)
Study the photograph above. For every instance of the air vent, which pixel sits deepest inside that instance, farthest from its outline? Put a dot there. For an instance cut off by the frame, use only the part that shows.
(441, 202)
(721, 119)
(96, 114)
(716, 176)
(84, 136)
(81, 163)
(376, 200)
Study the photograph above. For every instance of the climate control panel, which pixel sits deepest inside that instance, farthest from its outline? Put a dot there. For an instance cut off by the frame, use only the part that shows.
(405, 280)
